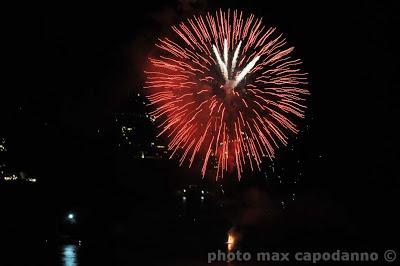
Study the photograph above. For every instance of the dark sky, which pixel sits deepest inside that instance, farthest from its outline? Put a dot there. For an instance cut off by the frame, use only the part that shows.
(77, 66)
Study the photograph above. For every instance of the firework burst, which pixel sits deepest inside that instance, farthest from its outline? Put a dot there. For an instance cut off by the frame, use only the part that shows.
(225, 91)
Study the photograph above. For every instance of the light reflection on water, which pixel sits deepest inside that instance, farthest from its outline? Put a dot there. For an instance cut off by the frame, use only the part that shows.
(70, 255)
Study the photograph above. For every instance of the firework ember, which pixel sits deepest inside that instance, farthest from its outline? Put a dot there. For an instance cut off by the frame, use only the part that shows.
(225, 91)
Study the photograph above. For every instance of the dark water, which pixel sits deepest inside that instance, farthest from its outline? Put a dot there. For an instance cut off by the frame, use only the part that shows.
(74, 255)
(79, 255)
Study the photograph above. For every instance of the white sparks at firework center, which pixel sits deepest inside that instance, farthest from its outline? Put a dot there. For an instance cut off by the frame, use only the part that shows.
(230, 78)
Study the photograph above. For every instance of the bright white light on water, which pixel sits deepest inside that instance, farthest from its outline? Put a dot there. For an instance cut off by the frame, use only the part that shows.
(70, 255)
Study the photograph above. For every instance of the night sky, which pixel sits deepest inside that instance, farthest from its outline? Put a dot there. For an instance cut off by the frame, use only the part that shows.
(76, 67)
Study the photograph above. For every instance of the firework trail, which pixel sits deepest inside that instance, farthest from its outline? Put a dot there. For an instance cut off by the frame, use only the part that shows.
(225, 90)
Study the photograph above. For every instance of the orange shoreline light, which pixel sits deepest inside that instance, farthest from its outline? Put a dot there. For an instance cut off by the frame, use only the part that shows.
(230, 242)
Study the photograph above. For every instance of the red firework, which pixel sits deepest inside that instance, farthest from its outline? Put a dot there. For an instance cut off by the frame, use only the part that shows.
(225, 89)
